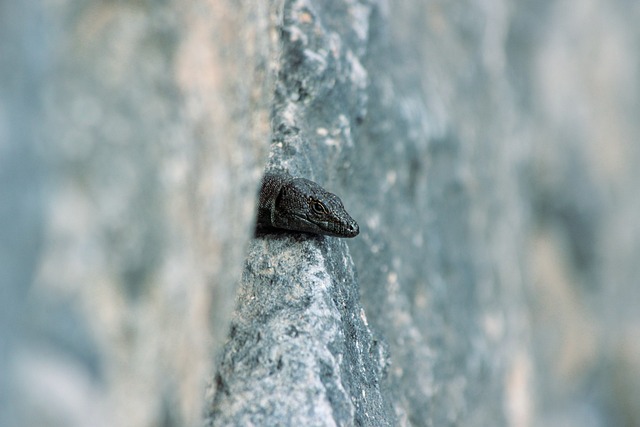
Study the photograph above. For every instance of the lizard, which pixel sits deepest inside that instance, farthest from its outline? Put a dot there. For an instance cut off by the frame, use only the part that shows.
(298, 204)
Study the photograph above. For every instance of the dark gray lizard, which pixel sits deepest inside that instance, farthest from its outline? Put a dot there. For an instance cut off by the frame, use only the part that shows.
(298, 204)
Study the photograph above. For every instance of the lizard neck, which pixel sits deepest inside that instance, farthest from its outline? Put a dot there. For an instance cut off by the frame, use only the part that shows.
(271, 185)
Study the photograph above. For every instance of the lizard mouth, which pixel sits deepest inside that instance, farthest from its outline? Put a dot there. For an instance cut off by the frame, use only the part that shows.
(322, 225)
(332, 229)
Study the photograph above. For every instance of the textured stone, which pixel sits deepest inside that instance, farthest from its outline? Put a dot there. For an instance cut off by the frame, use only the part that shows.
(300, 351)
(488, 151)
(150, 154)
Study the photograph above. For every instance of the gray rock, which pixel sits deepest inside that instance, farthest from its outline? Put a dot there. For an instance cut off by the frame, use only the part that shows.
(134, 160)
(487, 150)
(429, 276)
(300, 351)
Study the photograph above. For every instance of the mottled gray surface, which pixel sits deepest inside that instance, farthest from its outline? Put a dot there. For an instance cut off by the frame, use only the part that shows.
(438, 275)
(132, 144)
(577, 68)
(21, 214)
(300, 351)
(488, 150)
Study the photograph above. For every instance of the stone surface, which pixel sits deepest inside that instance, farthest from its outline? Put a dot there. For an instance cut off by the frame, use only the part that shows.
(147, 124)
(439, 277)
(300, 351)
(488, 151)
(578, 79)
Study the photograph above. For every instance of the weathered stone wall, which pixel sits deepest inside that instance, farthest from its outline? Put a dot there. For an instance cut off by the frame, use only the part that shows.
(487, 149)
(575, 68)
(136, 154)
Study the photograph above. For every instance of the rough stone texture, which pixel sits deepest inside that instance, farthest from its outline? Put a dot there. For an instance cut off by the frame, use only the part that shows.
(488, 150)
(578, 78)
(147, 123)
(439, 272)
(300, 351)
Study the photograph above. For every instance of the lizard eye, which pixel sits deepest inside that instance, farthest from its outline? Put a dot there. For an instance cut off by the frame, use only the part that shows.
(318, 208)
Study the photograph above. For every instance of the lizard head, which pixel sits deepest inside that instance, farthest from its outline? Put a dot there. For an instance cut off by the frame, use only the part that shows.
(305, 206)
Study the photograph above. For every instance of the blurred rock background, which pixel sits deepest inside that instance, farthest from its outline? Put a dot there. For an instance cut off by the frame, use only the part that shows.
(487, 149)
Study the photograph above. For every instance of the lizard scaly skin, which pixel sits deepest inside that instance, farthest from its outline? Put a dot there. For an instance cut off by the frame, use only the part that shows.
(298, 204)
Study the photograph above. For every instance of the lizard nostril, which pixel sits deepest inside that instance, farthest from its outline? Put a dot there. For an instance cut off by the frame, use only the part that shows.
(354, 228)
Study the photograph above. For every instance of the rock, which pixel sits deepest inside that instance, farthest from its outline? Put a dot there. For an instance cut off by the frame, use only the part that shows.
(300, 350)
(149, 157)
(485, 148)
(435, 283)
